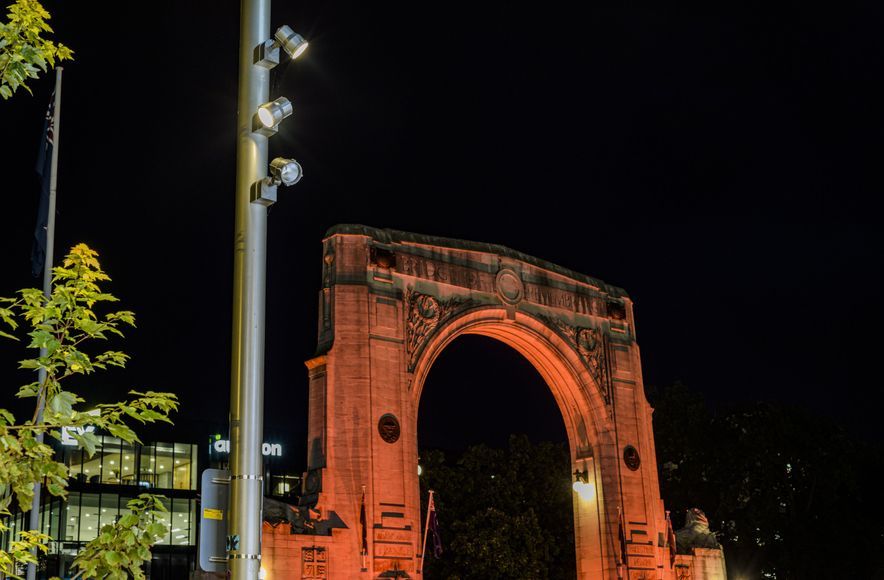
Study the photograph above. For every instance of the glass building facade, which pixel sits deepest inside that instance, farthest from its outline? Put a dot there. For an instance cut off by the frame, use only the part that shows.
(100, 487)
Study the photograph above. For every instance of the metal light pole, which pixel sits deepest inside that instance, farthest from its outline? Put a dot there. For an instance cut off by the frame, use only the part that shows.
(249, 269)
(256, 120)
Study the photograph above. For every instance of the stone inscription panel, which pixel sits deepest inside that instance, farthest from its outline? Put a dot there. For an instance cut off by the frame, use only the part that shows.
(314, 563)
(464, 277)
(393, 550)
(444, 273)
(641, 562)
(556, 298)
(382, 535)
(640, 550)
(385, 564)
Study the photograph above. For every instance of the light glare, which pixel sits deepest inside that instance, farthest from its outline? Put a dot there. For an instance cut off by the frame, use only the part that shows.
(290, 41)
(266, 117)
(585, 491)
(271, 114)
(300, 50)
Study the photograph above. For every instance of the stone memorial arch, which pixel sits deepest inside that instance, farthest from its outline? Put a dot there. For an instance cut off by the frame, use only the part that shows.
(390, 302)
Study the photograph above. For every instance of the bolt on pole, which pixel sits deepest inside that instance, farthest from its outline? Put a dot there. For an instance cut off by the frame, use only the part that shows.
(249, 275)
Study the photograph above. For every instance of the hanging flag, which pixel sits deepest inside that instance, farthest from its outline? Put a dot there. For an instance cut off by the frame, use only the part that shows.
(44, 170)
(670, 539)
(434, 529)
(622, 537)
(363, 522)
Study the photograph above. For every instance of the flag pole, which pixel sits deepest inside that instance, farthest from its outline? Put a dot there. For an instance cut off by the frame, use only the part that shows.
(621, 533)
(34, 516)
(426, 527)
(363, 548)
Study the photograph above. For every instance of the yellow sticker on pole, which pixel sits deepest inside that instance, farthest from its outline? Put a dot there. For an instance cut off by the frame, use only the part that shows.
(213, 514)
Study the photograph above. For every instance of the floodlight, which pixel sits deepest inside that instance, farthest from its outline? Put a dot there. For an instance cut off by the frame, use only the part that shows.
(285, 171)
(282, 172)
(271, 114)
(290, 41)
(585, 491)
(581, 485)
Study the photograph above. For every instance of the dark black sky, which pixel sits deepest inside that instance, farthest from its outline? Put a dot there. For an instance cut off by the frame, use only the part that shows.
(721, 162)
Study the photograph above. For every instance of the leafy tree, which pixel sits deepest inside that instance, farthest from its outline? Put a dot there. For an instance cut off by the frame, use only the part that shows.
(62, 325)
(503, 513)
(24, 52)
(121, 548)
(792, 495)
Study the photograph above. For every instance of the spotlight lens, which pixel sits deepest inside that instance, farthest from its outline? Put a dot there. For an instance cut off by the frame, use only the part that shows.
(286, 171)
(291, 172)
(265, 115)
(300, 50)
(290, 41)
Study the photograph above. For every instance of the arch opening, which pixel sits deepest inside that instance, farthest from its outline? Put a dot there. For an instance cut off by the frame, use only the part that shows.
(480, 390)
(576, 394)
(488, 424)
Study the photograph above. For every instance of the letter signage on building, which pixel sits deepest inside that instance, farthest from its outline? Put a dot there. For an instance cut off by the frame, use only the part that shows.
(268, 449)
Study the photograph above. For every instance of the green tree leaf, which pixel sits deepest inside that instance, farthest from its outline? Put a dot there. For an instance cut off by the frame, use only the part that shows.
(64, 324)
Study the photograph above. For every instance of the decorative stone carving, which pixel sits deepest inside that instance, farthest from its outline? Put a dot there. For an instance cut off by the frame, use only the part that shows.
(695, 533)
(425, 314)
(631, 458)
(383, 258)
(388, 428)
(616, 310)
(589, 344)
(444, 273)
(314, 563)
(327, 281)
(509, 287)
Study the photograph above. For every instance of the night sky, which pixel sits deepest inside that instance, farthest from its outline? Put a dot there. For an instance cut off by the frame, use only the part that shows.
(720, 162)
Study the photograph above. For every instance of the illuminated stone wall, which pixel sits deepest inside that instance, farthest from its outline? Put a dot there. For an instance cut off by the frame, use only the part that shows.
(389, 304)
(703, 564)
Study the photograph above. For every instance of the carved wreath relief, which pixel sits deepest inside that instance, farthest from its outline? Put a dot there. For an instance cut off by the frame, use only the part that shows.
(425, 313)
(589, 345)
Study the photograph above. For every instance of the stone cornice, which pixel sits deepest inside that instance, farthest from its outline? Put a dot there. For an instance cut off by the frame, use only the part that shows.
(388, 236)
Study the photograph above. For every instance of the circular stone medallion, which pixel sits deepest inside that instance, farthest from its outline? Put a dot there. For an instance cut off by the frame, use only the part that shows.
(631, 457)
(509, 286)
(388, 427)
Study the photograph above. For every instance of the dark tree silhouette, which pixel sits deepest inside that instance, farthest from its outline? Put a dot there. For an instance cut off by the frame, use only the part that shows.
(792, 495)
(503, 513)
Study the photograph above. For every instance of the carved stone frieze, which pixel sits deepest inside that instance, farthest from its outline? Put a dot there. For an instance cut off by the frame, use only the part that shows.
(425, 314)
(589, 345)
(443, 273)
